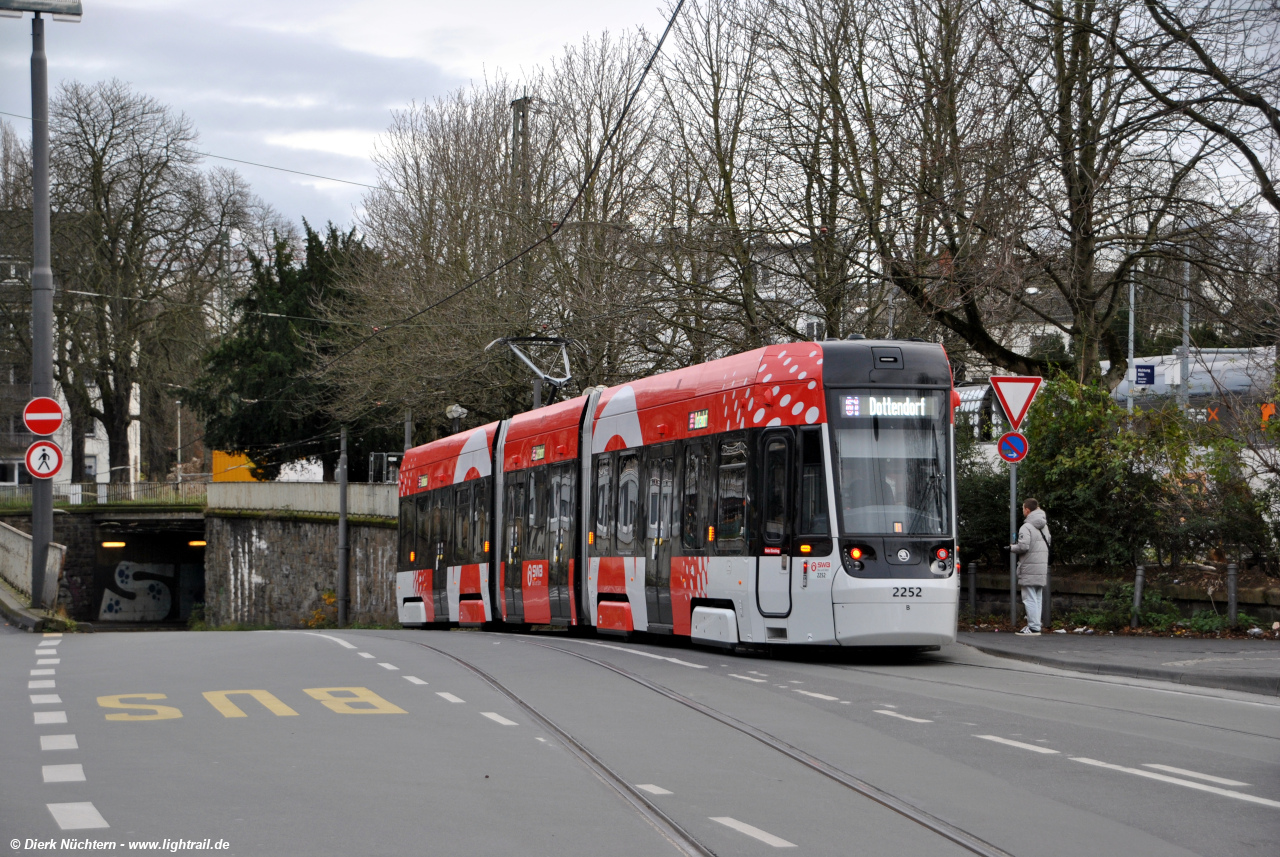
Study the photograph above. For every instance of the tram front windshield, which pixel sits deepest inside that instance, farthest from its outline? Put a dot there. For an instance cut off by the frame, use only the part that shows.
(892, 461)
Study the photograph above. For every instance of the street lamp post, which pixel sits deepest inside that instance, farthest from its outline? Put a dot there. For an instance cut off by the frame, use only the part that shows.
(41, 264)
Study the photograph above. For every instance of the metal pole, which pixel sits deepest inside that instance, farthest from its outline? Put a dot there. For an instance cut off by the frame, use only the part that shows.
(1184, 394)
(179, 450)
(537, 393)
(408, 429)
(1013, 538)
(344, 550)
(1139, 578)
(1133, 370)
(41, 300)
(1231, 594)
(1046, 603)
(973, 590)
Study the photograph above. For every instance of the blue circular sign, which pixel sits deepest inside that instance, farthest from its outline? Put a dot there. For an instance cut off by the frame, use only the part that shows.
(1012, 447)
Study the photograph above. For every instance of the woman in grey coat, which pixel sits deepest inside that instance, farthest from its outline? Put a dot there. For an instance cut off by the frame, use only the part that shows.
(1033, 568)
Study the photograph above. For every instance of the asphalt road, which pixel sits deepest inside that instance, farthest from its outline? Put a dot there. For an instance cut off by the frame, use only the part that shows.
(376, 742)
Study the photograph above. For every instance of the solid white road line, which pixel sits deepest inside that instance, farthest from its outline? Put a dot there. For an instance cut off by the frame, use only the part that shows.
(413, 679)
(46, 718)
(1032, 747)
(58, 742)
(44, 672)
(1187, 783)
(338, 640)
(77, 816)
(644, 654)
(41, 684)
(747, 678)
(45, 699)
(365, 655)
(63, 773)
(900, 716)
(48, 662)
(386, 666)
(498, 718)
(816, 695)
(1169, 769)
(652, 789)
(449, 697)
(754, 832)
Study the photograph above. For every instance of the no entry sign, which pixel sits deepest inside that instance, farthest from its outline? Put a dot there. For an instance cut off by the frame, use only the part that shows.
(44, 459)
(1012, 447)
(42, 416)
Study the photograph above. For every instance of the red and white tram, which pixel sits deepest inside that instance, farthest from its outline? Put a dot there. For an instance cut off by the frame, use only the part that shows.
(699, 502)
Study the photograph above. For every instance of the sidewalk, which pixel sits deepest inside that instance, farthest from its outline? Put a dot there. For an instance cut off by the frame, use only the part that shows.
(1252, 666)
(14, 611)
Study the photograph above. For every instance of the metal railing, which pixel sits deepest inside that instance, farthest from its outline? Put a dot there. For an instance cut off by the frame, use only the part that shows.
(105, 493)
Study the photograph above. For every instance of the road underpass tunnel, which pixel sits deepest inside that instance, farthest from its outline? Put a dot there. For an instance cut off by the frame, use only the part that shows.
(148, 571)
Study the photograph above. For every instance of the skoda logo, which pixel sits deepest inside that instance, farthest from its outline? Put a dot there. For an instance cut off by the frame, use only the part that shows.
(904, 555)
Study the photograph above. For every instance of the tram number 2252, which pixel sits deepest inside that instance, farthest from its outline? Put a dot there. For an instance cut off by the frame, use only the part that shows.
(907, 591)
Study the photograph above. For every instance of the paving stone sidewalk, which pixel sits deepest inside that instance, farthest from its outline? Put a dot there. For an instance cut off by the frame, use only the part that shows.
(1252, 666)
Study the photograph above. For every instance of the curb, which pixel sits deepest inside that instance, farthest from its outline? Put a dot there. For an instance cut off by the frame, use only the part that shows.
(1265, 685)
(18, 615)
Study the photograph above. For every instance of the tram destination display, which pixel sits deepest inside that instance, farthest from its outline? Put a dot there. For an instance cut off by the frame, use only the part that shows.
(889, 406)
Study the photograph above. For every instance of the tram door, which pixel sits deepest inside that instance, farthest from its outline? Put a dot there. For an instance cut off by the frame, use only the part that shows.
(560, 526)
(513, 553)
(773, 573)
(659, 514)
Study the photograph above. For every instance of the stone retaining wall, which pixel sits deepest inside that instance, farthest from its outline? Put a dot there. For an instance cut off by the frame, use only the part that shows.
(275, 568)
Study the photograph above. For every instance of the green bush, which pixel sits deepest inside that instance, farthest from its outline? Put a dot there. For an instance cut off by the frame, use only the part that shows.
(1116, 610)
(984, 519)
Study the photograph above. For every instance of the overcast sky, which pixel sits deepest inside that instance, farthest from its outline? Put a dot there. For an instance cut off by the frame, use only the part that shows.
(303, 84)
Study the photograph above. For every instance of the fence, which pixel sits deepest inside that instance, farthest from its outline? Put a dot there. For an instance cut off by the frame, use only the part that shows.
(104, 493)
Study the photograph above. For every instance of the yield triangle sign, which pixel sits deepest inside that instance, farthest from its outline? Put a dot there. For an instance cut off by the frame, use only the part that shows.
(1015, 393)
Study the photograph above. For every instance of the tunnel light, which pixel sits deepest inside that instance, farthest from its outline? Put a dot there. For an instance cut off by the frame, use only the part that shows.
(113, 544)
(197, 543)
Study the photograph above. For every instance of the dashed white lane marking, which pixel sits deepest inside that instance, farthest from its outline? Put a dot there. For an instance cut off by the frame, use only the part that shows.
(413, 679)
(757, 672)
(816, 695)
(63, 773)
(52, 634)
(77, 816)
(543, 740)
(754, 832)
(1186, 783)
(365, 655)
(46, 653)
(52, 642)
(48, 662)
(747, 678)
(42, 684)
(652, 789)
(644, 654)
(58, 742)
(845, 702)
(45, 699)
(46, 718)
(794, 681)
(1032, 747)
(44, 672)
(338, 640)
(448, 697)
(498, 718)
(900, 716)
(1169, 769)
(387, 666)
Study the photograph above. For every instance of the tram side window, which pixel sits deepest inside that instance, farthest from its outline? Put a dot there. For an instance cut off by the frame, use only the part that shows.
(604, 504)
(628, 501)
(480, 521)
(774, 520)
(425, 547)
(731, 510)
(538, 513)
(441, 515)
(462, 524)
(408, 525)
(813, 485)
(695, 465)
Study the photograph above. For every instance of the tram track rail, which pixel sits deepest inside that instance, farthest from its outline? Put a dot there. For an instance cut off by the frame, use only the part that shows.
(682, 839)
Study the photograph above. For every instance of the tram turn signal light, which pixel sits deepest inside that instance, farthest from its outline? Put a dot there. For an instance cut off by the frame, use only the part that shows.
(711, 534)
(591, 537)
(413, 556)
(486, 545)
(856, 553)
(806, 548)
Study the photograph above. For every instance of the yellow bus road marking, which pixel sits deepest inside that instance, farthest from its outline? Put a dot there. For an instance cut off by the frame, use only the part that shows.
(221, 701)
(157, 712)
(355, 696)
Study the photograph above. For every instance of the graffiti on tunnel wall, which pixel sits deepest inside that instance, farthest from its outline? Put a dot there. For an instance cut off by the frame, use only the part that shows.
(138, 592)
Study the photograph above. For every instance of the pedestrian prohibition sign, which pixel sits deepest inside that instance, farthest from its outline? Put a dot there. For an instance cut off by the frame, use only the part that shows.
(44, 459)
(1012, 447)
(42, 415)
